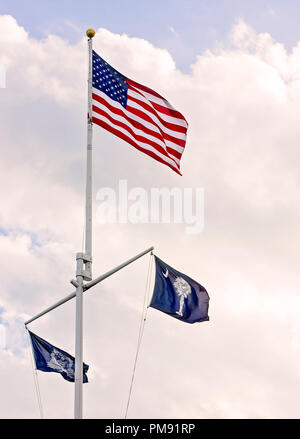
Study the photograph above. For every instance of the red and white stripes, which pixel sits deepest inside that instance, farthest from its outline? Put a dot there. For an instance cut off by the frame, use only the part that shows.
(149, 123)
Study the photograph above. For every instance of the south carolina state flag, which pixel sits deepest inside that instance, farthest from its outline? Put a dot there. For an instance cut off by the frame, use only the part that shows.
(178, 295)
(137, 114)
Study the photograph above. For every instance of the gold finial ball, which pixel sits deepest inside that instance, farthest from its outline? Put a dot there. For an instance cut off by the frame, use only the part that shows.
(90, 33)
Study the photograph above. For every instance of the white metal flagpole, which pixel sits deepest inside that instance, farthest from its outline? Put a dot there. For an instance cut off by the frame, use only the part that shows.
(78, 341)
(84, 261)
(88, 224)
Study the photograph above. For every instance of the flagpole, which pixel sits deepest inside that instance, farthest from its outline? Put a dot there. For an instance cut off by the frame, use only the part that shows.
(88, 225)
(84, 261)
(78, 342)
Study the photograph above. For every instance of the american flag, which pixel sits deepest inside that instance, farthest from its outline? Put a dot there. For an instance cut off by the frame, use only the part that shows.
(137, 114)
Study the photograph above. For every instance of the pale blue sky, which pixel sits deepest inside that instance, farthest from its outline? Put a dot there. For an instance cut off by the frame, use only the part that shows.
(185, 28)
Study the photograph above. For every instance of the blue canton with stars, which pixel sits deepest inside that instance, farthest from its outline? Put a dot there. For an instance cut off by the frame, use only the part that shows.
(109, 81)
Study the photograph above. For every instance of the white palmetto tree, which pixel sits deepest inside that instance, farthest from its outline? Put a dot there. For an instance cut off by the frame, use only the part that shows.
(183, 289)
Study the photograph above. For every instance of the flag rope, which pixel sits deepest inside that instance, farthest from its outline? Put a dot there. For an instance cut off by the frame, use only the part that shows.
(141, 328)
(35, 378)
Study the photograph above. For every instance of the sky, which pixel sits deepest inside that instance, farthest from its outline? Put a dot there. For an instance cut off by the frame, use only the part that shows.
(184, 29)
(233, 69)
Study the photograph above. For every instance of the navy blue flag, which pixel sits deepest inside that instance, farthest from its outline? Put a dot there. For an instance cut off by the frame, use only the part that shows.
(178, 295)
(49, 358)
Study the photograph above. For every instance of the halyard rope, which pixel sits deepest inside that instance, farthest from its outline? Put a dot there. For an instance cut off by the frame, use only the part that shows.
(141, 329)
(35, 377)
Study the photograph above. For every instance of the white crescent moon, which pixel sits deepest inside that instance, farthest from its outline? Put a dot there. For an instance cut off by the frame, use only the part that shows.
(166, 274)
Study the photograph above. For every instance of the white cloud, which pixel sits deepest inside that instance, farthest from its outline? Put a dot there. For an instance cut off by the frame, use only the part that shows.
(242, 105)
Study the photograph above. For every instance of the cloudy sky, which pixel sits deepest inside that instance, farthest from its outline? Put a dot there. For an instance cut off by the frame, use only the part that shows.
(233, 69)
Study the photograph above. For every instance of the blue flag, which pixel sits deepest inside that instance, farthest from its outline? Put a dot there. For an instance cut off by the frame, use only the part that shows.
(178, 295)
(49, 358)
